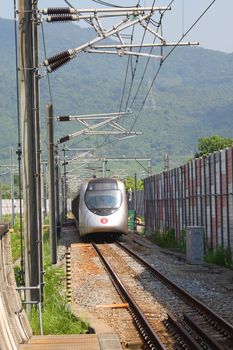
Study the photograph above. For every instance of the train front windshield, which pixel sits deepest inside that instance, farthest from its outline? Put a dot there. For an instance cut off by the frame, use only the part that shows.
(103, 200)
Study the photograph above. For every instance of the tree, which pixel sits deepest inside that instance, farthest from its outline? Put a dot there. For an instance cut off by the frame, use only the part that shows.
(129, 183)
(210, 144)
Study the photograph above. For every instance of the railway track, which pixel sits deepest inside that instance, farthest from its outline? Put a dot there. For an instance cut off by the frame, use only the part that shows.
(197, 327)
(199, 322)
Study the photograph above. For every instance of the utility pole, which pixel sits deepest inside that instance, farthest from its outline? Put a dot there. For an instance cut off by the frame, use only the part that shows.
(51, 170)
(0, 199)
(57, 191)
(44, 191)
(12, 187)
(64, 186)
(135, 192)
(27, 29)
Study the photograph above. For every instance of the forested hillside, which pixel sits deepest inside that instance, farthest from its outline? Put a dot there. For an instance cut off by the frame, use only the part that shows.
(192, 96)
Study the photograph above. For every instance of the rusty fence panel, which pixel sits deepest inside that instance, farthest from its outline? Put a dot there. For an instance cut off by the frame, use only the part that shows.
(198, 193)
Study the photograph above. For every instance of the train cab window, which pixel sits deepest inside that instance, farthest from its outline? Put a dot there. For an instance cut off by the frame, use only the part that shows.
(105, 200)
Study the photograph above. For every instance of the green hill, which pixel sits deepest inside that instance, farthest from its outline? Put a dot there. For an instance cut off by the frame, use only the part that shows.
(192, 97)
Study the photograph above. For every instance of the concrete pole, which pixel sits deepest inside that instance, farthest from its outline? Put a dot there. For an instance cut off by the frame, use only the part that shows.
(12, 187)
(64, 186)
(0, 201)
(135, 192)
(51, 170)
(149, 167)
(27, 107)
(38, 155)
(57, 191)
(44, 192)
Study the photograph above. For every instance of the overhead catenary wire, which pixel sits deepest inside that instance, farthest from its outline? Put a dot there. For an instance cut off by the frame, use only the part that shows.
(137, 60)
(158, 25)
(105, 3)
(45, 55)
(190, 28)
(134, 69)
(159, 69)
(69, 4)
(165, 58)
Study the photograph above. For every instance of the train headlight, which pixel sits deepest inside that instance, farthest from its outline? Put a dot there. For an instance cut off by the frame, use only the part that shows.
(104, 220)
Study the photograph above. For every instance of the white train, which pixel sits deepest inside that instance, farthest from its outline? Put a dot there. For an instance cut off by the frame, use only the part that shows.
(100, 206)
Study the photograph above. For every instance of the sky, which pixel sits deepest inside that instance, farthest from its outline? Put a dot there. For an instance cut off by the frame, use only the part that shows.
(214, 31)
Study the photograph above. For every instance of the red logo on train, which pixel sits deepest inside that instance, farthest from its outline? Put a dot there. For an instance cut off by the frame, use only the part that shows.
(104, 221)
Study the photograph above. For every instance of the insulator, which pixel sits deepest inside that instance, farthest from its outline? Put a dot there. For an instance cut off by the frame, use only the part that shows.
(64, 18)
(64, 139)
(63, 118)
(58, 11)
(58, 57)
(58, 64)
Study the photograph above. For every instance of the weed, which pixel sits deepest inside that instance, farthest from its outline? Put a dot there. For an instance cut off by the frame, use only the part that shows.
(220, 256)
(165, 239)
(56, 317)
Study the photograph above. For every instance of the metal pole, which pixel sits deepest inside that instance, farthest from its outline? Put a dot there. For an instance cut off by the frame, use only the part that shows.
(149, 167)
(51, 170)
(0, 201)
(57, 190)
(12, 187)
(135, 192)
(27, 104)
(104, 168)
(38, 153)
(43, 193)
(65, 186)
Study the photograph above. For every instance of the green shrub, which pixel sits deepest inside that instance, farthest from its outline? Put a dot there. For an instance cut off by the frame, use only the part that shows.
(220, 256)
(165, 239)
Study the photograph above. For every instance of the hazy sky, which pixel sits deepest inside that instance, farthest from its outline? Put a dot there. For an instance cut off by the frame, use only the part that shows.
(214, 31)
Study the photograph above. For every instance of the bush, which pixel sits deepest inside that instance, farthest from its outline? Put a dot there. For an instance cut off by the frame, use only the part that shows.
(220, 256)
(166, 239)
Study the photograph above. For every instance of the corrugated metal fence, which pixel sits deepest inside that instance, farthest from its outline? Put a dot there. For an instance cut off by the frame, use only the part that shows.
(198, 193)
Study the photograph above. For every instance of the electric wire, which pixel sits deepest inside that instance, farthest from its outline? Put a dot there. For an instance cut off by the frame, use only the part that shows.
(158, 25)
(86, 20)
(136, 62)
(126, 73)
(190, 28)
(133, 71)
(165, 58)
(100, 2)
(144, 72)
(45, 55)
(159, 69)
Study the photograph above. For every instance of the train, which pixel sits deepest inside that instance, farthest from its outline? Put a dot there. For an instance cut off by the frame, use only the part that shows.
(100, 207)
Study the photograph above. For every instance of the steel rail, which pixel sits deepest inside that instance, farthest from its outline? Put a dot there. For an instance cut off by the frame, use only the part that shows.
(206, 337)
(140, 319)
(186, 337)
(180, 291)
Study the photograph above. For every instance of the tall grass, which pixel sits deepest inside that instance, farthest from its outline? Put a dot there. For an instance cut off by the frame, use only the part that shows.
(56, 317)
(220, 256)
(167, 239)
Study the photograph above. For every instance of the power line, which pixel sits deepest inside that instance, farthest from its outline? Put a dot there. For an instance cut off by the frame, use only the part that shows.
(165, 58)
(193, 25)
(45, 55)
(112, 5)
